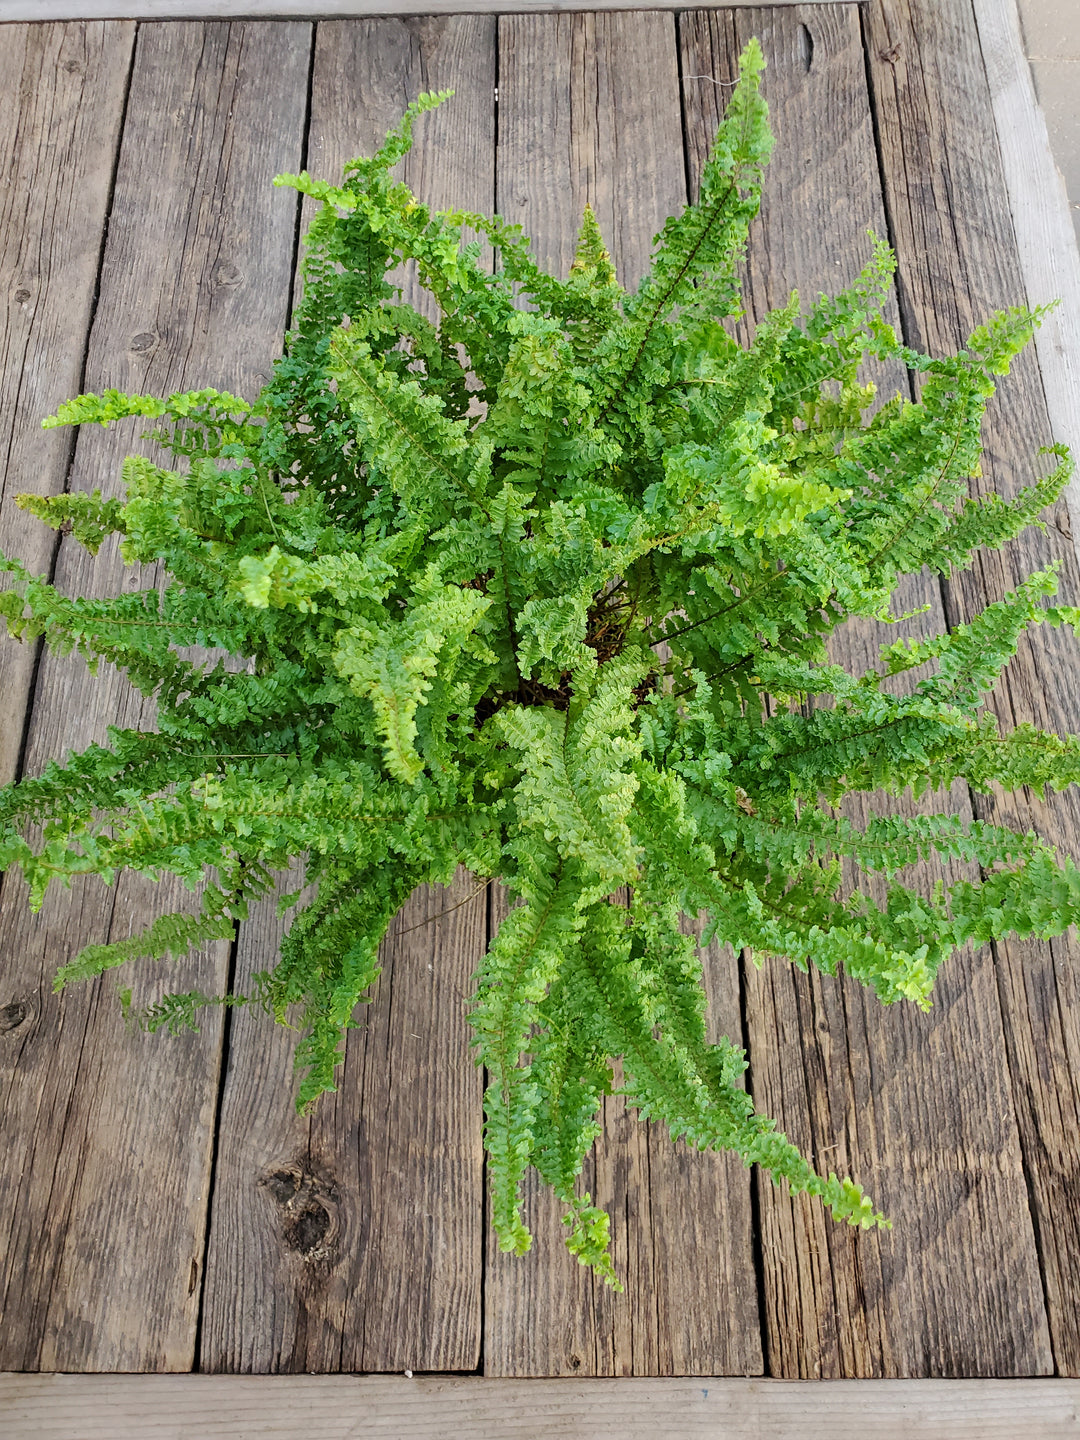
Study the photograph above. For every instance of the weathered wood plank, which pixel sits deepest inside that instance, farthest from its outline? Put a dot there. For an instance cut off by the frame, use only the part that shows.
(317, 9)
(347, 1407)
(62, 91)
(589, 111)
(1042, 222)
(860, 1088)
(682, 1244)
(106, 1184)
(352, 1239)
(949, 211)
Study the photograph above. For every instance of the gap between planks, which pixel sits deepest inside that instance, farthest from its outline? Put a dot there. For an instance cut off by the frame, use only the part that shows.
(346, 1407)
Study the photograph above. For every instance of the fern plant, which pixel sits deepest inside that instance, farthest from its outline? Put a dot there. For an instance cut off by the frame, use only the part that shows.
(541, 591)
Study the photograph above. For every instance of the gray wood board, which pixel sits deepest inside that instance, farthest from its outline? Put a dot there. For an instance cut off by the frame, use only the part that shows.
(106, 1185)
(352, 1239)
(949, 212)
(682, 1243)
(353, 1407)
(62, 90)
(315, 9)
(589, 112)
(883, 1094)
(1042, 221)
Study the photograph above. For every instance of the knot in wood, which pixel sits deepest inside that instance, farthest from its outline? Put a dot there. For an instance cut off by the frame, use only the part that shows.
(308, 1208)
(227, 274)
(13, 1015)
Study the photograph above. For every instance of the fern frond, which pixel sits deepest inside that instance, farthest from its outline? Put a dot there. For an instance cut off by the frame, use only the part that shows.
(543, 587)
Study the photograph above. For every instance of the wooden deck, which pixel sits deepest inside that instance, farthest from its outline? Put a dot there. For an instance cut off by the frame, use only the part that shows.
(435, 1407)
(162, 1208)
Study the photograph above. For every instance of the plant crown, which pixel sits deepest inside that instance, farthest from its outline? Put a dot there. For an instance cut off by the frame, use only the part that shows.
(543, 592)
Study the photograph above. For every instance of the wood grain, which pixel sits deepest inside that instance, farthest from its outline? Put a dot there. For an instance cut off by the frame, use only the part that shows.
(682, 1244)
(589, 111)
(317, 9)
(62, 91)
(106, 1186)
(348, 1407)
(949, 211)
(350, 1239)
(884, 1094)
(1042, 221)
(385, 1271)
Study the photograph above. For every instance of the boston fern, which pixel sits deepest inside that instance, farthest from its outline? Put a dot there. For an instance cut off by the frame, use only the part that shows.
(544, 591)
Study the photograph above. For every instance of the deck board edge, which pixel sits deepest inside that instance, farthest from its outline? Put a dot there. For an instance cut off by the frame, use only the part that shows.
(12, 10)
(168, 1407)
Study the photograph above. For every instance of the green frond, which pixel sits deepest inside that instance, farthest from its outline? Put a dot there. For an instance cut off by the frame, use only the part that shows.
(90, 518)
(175, 1012)
(172, 935)
(577, 784)
(521, 964)
(403, 431)
(543, 586)
(695, 1091)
